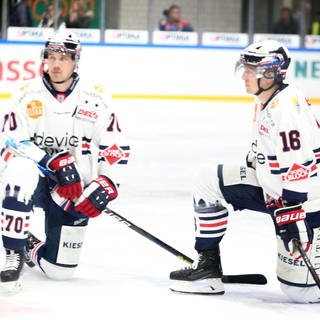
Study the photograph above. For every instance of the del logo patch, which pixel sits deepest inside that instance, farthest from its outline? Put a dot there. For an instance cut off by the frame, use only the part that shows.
(115, 154)
(263, 129)
(297, 172)
(35, 109)
(88, 115)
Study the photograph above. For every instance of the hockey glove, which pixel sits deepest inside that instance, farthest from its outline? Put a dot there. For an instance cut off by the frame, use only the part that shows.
(251, 160)
(96, 197)
(64, 167)
(292, 226)
(272, 203)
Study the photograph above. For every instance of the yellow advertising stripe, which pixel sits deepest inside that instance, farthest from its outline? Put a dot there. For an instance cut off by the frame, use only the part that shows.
(5, 95)
(314, 100)
(183, 97)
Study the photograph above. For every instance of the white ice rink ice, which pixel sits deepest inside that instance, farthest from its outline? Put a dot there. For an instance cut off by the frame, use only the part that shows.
(125, 276)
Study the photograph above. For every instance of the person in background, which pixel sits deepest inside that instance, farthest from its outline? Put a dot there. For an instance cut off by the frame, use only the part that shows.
(280, 179)
(303, 10)
(172, 20)
(48, 18)
(286, 24)
(79, 16)
(315, 27)
(68, 126)
(20, 14)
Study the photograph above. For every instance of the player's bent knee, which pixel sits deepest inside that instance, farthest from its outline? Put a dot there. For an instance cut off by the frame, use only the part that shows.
(56, 272)
(23, 173)
(301, 294)
(206, 189)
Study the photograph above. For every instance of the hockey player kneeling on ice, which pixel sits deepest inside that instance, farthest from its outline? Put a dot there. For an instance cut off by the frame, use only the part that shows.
(69, 129)
(281, 178)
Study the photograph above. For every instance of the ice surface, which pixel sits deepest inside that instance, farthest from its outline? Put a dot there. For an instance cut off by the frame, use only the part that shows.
(125, 276)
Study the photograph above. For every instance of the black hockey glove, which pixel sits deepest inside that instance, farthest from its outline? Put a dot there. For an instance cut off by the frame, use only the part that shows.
(251, 160)
(96, 197)
(291, 224)
(64, 167)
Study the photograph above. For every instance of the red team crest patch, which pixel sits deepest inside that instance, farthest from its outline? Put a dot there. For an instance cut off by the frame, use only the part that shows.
(114, 154)
(297, 172)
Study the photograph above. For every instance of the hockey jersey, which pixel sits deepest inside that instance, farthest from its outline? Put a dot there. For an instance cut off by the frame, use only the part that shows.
(286, 146)
(80, 120)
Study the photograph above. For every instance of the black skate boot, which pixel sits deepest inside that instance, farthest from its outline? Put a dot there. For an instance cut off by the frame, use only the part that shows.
(10, 274)
(32, 242)
(203, 277)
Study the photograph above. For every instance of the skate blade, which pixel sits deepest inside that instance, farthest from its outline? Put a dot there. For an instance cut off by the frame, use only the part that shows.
(11, 287)
(205, 286)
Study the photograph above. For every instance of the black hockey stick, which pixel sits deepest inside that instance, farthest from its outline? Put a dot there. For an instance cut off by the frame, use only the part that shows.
(307, 261)
(21, 149)
(259, 279)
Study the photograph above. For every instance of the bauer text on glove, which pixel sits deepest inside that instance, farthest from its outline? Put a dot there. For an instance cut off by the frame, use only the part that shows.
(292, 226)
(96, 196)
(65, 170)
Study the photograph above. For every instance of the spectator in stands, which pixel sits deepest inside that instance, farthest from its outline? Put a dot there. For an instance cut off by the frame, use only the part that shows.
(315, 28)
(20, 14)
(79, 16)
(286, 24)
(48, 18)
(297, 15)
(172, 20)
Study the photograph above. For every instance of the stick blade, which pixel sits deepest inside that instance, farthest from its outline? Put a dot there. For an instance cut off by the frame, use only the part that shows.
(252, 278)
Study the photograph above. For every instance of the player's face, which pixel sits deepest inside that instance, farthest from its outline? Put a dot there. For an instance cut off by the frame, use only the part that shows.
(60, 66)
(249, 77)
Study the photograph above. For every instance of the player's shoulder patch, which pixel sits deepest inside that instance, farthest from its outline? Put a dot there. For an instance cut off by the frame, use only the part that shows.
(274, 103)
(24, 87)
(98, 88)
(295, 101)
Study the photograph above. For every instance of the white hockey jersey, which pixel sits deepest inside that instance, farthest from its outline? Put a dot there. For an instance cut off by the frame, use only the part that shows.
(286, 146)
(80, 120)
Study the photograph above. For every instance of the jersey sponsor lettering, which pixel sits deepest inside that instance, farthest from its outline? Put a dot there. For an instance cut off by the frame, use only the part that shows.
(291, 261)
(298, 172)
(72, 245)
(43, 140)
(114, 154)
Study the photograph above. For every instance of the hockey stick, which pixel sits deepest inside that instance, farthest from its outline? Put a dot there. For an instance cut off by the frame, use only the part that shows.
(21, 149)
(307, 261)
(258, 279)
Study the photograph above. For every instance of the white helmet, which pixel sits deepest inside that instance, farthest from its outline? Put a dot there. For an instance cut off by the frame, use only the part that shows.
(268, 55)
(65, 42)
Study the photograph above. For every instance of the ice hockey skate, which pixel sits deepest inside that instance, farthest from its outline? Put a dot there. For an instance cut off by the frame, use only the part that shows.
(203, 277)
(32, 242)
(10, 274)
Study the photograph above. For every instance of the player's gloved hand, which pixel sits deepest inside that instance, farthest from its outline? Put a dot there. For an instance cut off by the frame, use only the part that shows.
(251, 160)
(96, 197)
(64, 167)
(272, 203)
(292, 226)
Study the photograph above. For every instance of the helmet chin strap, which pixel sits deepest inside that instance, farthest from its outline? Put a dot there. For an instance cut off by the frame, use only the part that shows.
(260, 90)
